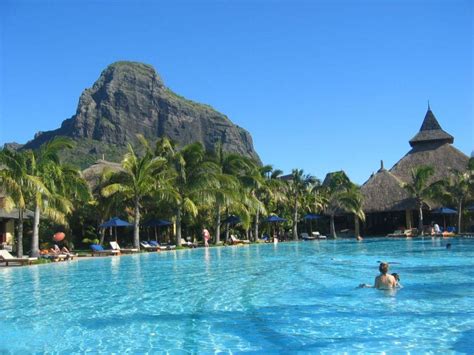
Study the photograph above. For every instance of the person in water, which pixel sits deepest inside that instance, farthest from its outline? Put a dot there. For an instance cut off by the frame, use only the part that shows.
(384, 281)
(397, 279)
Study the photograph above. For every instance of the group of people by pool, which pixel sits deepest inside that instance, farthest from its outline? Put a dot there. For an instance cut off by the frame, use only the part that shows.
(384, 281)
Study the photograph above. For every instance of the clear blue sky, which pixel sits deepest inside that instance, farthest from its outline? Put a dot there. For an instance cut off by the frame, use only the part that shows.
(320, 85)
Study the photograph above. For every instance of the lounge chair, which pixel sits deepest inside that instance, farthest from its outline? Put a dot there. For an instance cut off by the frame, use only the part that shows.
(146, 246)
(319, 236)
(7, 258)
(305, 236)
(99, 250)
(162, 247)
(188, 244)
(234, 240)
(116, 246)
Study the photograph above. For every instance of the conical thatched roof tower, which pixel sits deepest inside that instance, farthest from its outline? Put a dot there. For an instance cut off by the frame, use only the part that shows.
(383, 192)
(431, 146)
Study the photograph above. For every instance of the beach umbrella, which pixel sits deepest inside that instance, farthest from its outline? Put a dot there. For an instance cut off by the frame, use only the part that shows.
(157, 223)
(444, 211)
(57, 237)
(470, 208)
(310, 217)
(115, 222)
(274, 219)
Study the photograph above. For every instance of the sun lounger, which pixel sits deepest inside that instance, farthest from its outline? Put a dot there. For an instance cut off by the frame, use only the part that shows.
(146, 246)
(318, 235)
(306, 236)
(235, 240)
(7, 258)
(99, 250)
(116, 246)
(162, 247)
(188, 244)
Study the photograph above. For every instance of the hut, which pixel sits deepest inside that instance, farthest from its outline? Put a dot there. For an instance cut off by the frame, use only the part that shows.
(386, 203)
(93, 173)
(7, 224)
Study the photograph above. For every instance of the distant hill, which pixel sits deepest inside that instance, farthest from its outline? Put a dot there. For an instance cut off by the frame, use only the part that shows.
(130, 98)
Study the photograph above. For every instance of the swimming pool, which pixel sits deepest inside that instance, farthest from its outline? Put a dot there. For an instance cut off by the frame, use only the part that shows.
(291, 297)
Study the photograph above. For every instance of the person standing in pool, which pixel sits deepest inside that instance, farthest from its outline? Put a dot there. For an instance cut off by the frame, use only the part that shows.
(206, 236)
(384, 281)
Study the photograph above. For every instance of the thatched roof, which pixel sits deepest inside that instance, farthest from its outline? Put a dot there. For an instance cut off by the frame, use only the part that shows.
(442, 158)
(431, 131)
(330, 176)
(93, 173)
(384, 192)
(13, 214)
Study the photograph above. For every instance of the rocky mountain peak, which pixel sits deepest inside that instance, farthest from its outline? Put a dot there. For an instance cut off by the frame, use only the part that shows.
(130, 98)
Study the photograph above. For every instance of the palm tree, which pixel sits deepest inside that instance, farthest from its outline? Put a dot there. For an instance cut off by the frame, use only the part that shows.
(420, 189)
(139, 177)
(297, 187)
(458, 187)
(19, 185)
(351, 200)
(193, 179)
(227, 192)
(328, 196)
(62, 182)
(266, 189)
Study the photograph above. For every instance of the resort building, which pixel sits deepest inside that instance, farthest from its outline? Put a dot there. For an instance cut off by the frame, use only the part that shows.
(7, 225)
(387, 204)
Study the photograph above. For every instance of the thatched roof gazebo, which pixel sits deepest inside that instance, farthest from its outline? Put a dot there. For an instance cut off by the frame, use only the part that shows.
(384, 193)
(93, 173)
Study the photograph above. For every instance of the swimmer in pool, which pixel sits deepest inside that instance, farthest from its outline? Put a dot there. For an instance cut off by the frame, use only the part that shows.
(384, 281)
(397, 279)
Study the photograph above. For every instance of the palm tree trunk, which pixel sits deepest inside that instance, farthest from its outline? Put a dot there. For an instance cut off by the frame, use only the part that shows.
(35, 239)
(178, 227)
(218, 224)
(420, 222)
(356, 226)
(136, 226)
(19, 251)
(102, 234)
(227, 231)
(295, 221)
(459, 216)
(332, 227)
(257, 215)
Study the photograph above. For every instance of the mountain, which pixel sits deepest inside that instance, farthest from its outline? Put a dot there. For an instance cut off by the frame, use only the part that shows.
(130, 98)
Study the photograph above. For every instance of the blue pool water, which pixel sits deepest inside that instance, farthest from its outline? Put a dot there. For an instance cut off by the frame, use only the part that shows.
(292, 297)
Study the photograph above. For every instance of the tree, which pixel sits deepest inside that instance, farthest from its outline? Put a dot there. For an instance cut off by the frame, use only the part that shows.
(297, 187)
(63, 183)
(420, 189)
(329, 196)
(193, 178)
(351, 201)
(19, 185)
(139, 177)
(228, 190)
(458, 187)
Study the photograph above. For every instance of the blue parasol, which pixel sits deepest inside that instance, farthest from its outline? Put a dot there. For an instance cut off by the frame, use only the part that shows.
(115, 222)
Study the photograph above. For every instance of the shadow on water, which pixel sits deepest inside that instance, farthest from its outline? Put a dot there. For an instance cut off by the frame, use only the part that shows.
(465, 343)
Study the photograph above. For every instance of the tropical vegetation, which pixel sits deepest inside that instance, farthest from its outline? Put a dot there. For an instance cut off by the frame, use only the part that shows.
(193, 188)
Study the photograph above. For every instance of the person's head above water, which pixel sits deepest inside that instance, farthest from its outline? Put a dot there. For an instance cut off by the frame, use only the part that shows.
(383, 268)
(396, 276)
